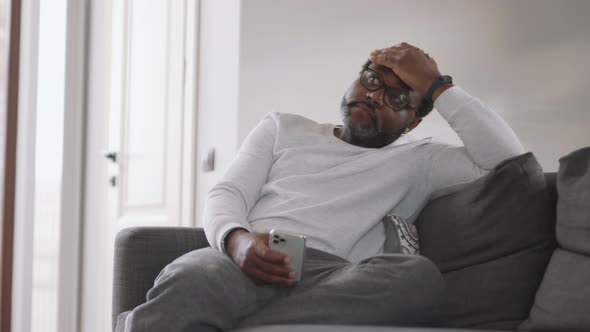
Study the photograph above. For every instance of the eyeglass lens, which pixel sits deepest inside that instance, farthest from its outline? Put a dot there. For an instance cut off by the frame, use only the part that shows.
(393, 98)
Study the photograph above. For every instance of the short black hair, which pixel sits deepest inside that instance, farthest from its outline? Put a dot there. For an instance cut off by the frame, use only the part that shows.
(423, 109)
(365, 66)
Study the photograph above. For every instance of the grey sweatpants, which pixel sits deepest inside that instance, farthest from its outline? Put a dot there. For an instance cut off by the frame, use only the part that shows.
(204, 290)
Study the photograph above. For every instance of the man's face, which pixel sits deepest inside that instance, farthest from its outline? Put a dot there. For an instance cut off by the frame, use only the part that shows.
(367, 116)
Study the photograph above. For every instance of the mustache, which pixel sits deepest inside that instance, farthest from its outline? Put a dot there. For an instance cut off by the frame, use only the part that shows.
(358, 103)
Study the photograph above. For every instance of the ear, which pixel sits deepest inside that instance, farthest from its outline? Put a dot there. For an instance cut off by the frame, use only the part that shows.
(413, 125)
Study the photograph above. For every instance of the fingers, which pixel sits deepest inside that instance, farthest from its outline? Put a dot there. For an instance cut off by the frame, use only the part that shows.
(263, 272)
(263, 252)
(397, 53)
(386, 56)
(264, 265)
(273, 269)
(270, 278)
(266, 272)
(414, 67)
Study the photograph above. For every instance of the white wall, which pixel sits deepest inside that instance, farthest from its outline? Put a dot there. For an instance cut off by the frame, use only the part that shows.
(526, 59)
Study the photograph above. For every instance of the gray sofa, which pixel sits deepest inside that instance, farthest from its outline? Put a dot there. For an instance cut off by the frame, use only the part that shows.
(142, 252)
(492, 239)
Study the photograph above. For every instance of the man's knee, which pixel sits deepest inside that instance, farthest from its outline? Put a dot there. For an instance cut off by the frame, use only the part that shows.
(416, 273)
(205, 266)
(426, 275)
(420, 286)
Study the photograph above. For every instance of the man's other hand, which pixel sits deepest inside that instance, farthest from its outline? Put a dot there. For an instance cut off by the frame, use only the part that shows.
(416, 68)
(251, 253)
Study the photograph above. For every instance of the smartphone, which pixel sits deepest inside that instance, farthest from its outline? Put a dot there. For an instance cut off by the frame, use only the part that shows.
(290, 245)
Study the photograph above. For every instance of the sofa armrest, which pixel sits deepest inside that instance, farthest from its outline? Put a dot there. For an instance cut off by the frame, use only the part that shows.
(140, 254)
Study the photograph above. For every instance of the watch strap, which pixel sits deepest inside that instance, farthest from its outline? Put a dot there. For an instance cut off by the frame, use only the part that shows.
(437, 82)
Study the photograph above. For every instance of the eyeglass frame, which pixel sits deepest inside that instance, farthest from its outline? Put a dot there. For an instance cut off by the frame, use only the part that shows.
(405, 105)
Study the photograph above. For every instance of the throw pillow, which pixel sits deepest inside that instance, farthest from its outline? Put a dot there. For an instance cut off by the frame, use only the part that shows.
(492, 239)
(573, 205)
(563, 300)
(401, 237)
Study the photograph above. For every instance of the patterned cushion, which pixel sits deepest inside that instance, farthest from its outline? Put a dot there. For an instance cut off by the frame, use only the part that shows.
(400, 236)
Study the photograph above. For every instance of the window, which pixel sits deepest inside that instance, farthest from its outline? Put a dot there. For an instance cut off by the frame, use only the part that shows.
(48, 164)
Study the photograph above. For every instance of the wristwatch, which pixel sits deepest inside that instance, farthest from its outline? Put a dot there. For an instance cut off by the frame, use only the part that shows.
(438, 82)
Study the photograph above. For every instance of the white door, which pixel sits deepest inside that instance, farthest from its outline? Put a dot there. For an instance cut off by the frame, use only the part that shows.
(147, 170)
(145, 125)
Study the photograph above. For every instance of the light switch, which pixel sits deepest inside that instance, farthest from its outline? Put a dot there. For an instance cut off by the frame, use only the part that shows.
(208, 160)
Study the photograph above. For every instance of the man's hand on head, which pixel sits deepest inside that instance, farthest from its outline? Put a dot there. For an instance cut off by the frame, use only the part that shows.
(251, 253)
(416, 68)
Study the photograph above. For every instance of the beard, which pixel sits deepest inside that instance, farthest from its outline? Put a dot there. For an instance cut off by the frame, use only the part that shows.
(368, 129)
(371, 129)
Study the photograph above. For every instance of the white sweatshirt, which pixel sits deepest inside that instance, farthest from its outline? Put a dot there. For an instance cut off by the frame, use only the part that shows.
(294, 175)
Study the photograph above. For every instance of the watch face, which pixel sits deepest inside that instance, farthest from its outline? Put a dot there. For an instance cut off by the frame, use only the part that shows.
(446, 79)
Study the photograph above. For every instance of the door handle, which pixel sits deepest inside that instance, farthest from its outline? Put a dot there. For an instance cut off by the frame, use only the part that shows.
(112, 156)
(113, 181)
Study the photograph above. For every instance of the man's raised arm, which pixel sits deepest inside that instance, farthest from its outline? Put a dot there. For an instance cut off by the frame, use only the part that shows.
(487, 137)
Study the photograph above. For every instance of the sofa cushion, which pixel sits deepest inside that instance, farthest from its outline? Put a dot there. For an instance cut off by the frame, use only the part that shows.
(344, 328)
(573, 205)
(492, 239)
(563, 300)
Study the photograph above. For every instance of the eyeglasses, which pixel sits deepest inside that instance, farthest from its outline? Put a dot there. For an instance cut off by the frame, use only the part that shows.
(392, 97)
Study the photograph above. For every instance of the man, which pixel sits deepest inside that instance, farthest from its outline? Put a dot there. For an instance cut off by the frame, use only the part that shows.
(333, 184)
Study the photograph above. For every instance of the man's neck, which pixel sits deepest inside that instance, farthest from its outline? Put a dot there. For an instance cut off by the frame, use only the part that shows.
(376, 142)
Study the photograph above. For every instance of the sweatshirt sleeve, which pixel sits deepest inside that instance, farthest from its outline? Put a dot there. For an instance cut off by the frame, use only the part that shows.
(229, 202)
(487, 139)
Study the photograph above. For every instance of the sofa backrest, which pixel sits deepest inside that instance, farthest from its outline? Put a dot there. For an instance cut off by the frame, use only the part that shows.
(492, 240)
